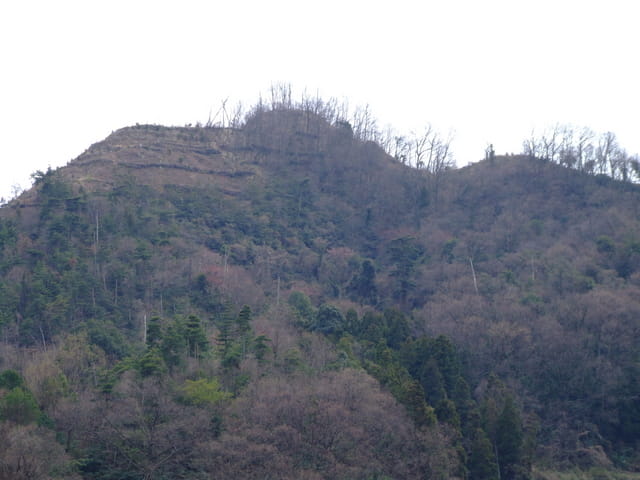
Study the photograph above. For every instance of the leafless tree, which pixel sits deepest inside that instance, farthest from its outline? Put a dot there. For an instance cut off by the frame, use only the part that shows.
(607, 154)
(583, 148)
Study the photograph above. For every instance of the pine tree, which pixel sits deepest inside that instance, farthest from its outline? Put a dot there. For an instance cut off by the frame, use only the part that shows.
(224, 320)
(447, 413)
(154, 331)
(413, 399)
(243, 325)
(509, 440)
(261, 347)
(151, 363)
(173, 345)
(244, 320)
(19, 406)
(482, 462)
(363, 286)
(432, 381)
(196, 338)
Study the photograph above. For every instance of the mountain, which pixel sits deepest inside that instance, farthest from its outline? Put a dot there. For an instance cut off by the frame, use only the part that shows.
(284, 299)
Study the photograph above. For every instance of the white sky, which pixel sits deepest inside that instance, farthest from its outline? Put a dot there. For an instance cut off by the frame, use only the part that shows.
(71, 72)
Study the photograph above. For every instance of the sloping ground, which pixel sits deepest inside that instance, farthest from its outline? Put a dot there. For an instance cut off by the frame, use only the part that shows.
(156, 156)
(532, 270)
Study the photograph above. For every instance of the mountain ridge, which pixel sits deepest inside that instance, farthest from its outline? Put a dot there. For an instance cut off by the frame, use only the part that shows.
(512, 280)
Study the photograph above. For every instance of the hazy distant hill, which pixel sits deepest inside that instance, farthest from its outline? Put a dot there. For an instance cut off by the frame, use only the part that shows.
(284, 299)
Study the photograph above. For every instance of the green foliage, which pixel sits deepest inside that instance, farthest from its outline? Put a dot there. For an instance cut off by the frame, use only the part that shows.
(371, 328)
(302, 307)
(261, 347)
(204, 393)
(446, 412)
(605, 245)
(108, 337)
(435, 363)
(329, 320)
(226, 330)
(503, 424)
(197, 343)
(363, 287)
(154, 331)
(396, 328)
(413, 398)
(243, 326)
(405, 253)
(10, 379)
(447, 250)
(292, 360)
(555, 256)
(19, 406)
(244, 320)
(432, 380)
(232, 356)
(151, 363)
(482, 463)
(386, 368)
(8, 235)
(509, 440)
(173, 346)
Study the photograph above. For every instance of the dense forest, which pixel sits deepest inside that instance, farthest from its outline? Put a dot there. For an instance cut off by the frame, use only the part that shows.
(291, 294)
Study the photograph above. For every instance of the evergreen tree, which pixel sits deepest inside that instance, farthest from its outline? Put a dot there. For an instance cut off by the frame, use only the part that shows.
(363, 286)
(302, 307)
(226, 334)
(195, 336)
(151, 363)
(432, 382)
(244, 320)
(154, 331)
(243, 325)
(413, 399)
(509, 441)
(397, 328)
(19, 406)
(10, 379)
(371, 327)
(173, 346)
(447, 413)
(448, 363)
(261, 347)
(329, 320)
(351, 321)
(482, 462)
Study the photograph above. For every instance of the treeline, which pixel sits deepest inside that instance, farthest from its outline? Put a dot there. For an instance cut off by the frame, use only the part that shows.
(475, 338)
(428, 149)
(584, 150)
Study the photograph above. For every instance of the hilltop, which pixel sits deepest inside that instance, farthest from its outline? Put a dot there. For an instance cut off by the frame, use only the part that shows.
(304, 304)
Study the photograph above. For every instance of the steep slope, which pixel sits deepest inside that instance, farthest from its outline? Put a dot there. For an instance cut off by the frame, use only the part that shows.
(123, 278)
(497, 301)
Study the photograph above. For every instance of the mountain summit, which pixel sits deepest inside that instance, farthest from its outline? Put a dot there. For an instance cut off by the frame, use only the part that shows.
(285, 299)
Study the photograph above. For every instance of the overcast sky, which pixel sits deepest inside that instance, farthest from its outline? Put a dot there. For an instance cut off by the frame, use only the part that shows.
(74, 71)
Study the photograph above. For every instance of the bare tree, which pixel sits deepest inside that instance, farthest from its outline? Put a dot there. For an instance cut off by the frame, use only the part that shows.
(549, 143)
(281, 96)
(530, 146)
(606, 152)
(584, 148)
(420, 147)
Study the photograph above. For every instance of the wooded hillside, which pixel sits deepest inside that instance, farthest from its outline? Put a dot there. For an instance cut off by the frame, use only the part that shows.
(285, 297)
